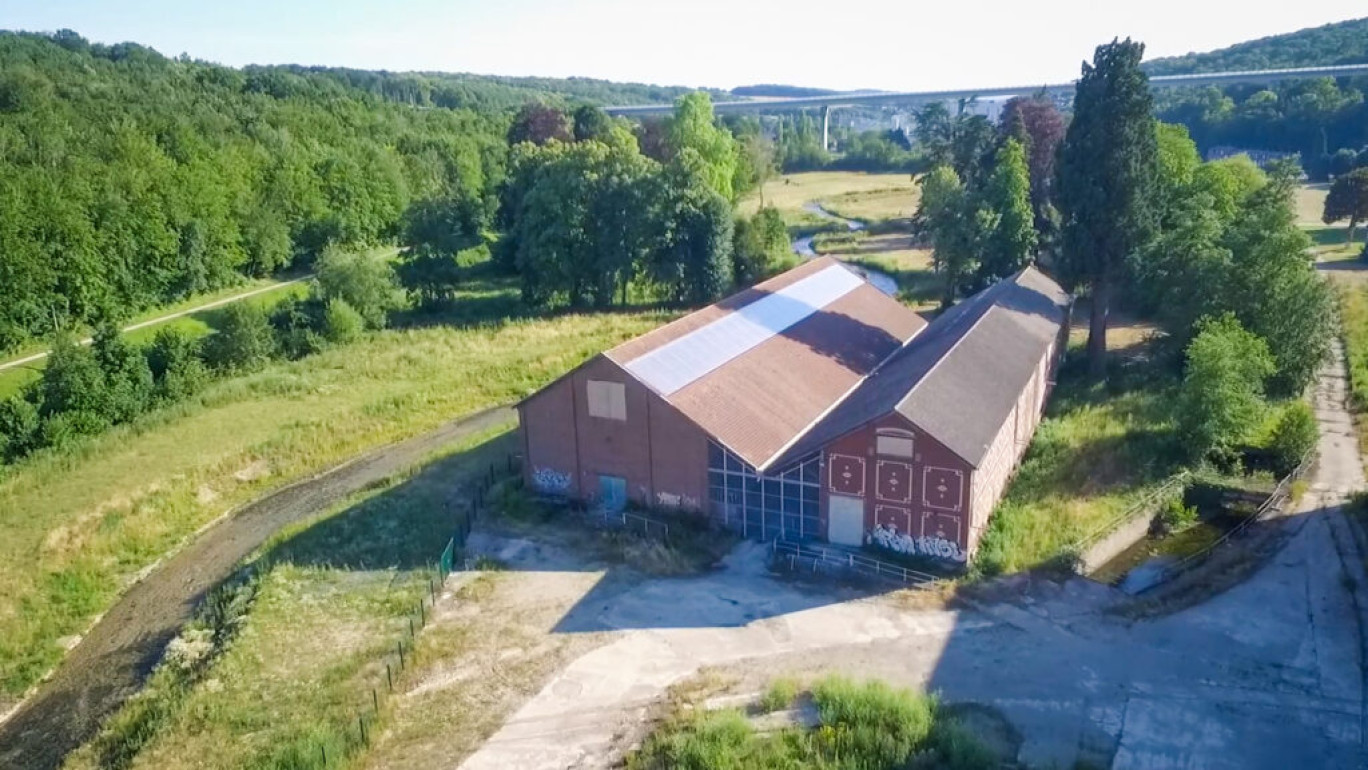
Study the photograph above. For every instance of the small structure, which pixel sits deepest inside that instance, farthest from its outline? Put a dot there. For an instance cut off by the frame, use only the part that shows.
(812, 406)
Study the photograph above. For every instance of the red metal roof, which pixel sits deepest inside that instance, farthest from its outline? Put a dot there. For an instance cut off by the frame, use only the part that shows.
(766, 394)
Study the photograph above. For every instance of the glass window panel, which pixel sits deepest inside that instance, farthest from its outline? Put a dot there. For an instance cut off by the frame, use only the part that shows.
(793, 505)
(733, 496)
(732, 464)
(811, 494)
(772, 487)
(717, 494)
(716, 478)
(812, 472)
(772, 503)
(753, 499)
(715, 456)
(752, 484)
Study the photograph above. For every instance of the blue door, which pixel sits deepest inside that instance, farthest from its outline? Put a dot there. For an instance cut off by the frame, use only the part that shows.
(613, 492)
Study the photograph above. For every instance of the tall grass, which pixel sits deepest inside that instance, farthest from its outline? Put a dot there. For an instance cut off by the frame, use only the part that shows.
(1097, 451)
(1353, 306)
(80, 523)
(864, 726)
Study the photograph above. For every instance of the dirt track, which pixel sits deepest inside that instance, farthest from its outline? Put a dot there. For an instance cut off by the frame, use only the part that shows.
(110, 662)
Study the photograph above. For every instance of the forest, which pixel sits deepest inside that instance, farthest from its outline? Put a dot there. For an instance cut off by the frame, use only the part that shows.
(1325, 120)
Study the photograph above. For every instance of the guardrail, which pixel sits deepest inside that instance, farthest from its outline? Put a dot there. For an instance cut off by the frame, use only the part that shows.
(839, 558)
(628, 520)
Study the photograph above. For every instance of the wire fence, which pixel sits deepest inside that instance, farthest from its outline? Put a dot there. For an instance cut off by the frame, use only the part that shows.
(818, 558)
(465, 508)
(1144, 505)
(1273, 503)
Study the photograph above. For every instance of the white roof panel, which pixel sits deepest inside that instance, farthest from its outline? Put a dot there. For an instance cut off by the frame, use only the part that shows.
(679, 362)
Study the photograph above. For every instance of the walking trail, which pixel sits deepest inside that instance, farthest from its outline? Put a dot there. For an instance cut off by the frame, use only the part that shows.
(110, 662)
(1266, 675)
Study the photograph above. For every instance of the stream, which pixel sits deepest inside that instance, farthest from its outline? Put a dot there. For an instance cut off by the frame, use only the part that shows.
(803, 248)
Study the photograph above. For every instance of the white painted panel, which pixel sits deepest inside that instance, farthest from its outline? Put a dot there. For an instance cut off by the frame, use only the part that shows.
(679, 362)
(845, 520)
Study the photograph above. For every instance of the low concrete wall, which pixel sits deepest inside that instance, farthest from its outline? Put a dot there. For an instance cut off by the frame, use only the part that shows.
(1116, 541)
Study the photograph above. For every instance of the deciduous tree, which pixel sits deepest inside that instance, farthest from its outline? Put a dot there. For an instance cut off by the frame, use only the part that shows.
(1348, 199)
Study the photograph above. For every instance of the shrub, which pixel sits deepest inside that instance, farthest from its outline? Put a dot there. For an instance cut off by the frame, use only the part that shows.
(244, 340)
(341, 323)
(1176, 517)
(1222, 394)
(364, 282)
(176, 364)
(1294, 436)
(296, 326)
(19, 426)
(780, 695)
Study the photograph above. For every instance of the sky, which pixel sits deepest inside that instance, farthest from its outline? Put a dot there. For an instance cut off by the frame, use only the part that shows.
(842, 44)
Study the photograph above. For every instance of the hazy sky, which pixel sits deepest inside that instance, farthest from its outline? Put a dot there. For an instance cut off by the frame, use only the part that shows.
(889, 44)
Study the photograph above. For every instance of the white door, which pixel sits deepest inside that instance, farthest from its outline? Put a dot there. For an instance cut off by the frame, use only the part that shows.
(845, 520)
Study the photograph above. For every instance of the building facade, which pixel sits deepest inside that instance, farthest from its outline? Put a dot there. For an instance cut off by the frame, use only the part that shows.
(811, 407)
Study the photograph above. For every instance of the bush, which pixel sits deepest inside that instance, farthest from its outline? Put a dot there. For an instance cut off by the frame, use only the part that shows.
(244, 340)
(19, 426)
(1176, 517)
(364, 282)
(176, 364)
(72, 381)
(1294, 436)
(780, 695)
(1221, 400)
(341, 323)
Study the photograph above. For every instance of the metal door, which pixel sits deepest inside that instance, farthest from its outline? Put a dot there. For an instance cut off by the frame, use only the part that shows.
(845, 520)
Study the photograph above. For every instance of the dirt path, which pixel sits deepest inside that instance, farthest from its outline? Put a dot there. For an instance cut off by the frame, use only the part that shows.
(1268, 674)
(110, 662)
(163, 319)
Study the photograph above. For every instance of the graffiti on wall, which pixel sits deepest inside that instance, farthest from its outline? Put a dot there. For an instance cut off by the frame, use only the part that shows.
(550, 480)
(670, 500)
(888, 536)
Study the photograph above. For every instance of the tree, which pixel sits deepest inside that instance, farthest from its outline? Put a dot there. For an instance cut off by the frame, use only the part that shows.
(945, 214)
(695, 263)
(1348, 199)
(365, 282)
(1108, 165)
(1038, 124)
(1221, 401)
(760, 247)
(243, 340)
(73, 383)
(1294, 436)
(693, 127)
(1011, 241)
(590, 122)
(341, 323)
(759, 154)
(176, 364)
(127, 378)
(444, 225)
(539, 124)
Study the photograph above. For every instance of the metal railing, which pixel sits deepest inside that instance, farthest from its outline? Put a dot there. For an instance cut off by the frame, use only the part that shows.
(1274, 502)
(821, 557)
(626, 520)
(1135, 509)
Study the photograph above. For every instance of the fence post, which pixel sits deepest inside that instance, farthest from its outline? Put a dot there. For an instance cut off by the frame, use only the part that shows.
(389, 677)
(362, 721)
(411, 634)
(375, 700)
(400, 645)
(421, 614)
(324, 751)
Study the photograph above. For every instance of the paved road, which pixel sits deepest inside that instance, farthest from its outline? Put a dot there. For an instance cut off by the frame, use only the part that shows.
(110, 662)
(1266, 675)
(162, 319)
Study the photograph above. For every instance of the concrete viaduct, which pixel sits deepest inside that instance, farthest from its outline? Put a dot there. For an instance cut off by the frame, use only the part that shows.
(826, 102)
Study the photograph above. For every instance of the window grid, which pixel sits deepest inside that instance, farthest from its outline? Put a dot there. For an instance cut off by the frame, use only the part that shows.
(782, 505)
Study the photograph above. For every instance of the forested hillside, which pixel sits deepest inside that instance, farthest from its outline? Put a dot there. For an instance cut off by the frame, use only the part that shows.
(129, 179)
(1343, 43)
(1325, 120)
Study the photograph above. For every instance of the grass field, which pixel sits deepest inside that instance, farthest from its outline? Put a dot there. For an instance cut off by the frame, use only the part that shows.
(851, 194)
(1095, 454)
(80, 525)
(894, 254)
(1330, 241)
(335, 597)
(1353, 306)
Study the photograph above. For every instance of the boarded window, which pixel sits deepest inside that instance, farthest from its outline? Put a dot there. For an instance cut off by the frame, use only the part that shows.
(894, 446)
(607, 400)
